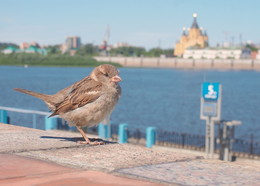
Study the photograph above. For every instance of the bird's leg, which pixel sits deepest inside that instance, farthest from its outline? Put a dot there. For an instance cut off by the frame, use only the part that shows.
(87, 140)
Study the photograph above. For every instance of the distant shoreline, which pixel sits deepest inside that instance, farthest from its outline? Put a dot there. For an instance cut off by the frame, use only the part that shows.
(178, 63)
(148, 62)
(36, 65)
(24, 59)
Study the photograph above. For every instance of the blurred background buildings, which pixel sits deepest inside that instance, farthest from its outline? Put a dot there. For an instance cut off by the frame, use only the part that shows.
(71, 45)
(193, 44)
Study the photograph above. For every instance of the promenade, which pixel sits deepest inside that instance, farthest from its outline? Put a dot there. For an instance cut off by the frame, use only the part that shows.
(180, 63)
(37, 157)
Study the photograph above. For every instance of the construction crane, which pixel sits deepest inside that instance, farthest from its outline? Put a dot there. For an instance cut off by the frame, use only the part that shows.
(104, 45)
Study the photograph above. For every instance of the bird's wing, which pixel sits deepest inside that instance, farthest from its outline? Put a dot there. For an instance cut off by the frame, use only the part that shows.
(83, 92)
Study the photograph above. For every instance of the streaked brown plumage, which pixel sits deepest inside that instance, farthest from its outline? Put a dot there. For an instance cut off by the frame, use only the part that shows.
(86, 102)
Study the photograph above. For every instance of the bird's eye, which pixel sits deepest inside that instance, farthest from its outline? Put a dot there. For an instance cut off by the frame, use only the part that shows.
(106, 74)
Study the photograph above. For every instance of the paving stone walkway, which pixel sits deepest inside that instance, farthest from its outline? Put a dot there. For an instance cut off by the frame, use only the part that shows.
(199, 172)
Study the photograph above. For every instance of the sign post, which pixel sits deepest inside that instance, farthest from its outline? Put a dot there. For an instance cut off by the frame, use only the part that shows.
(210, 110)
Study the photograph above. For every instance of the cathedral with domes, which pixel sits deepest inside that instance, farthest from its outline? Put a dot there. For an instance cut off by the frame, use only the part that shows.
(193, 37)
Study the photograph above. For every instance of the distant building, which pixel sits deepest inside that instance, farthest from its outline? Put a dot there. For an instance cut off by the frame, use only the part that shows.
(258, 55)
(34, 49)
(246, 53)
(71, 45)
(26, 48)
(121, 44)
(220, 53)
(35, 44)
(104, 46)
(26, 45)
(193, 37)
(10, 50)
(212, 53)
(254, 54)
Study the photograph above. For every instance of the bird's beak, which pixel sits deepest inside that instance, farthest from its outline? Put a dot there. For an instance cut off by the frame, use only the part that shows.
(116, 79)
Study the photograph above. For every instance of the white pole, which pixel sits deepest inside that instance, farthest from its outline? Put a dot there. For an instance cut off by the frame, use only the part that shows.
(207, 136)
(212, 137)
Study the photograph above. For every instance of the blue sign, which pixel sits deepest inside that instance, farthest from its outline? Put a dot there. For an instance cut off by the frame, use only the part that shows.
(210, 91)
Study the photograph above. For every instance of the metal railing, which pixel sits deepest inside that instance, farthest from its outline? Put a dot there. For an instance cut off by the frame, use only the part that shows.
(39, 119)
(163, 137)
(36, 119)
(24, 111)
(191, 141)
(34, 115)
(183, 139)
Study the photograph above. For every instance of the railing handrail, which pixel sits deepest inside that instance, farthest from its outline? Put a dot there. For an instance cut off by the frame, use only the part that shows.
(25, 111)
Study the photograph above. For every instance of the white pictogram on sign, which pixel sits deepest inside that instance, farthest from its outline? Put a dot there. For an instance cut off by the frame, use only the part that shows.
(211, 93)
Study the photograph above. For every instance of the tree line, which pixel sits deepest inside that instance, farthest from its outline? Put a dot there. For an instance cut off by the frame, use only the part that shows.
(33, 59)
(83, 56)
(93, 50)
(89, 49)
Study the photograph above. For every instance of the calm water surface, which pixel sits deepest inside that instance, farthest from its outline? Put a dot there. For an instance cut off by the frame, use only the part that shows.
(166, 98)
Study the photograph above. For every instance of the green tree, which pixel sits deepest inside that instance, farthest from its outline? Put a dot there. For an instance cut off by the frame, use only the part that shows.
(53, 49)
(157, 52)
(127, 51)
(87, 50)
(140, 51)
(251, 47)
(5, 45)
(48, 60)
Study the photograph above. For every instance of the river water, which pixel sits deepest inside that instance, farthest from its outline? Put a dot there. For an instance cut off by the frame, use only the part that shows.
(168, 99)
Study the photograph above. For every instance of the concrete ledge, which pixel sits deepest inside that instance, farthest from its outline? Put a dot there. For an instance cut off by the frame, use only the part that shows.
(61, 147)
(62, 160)
(19, 139)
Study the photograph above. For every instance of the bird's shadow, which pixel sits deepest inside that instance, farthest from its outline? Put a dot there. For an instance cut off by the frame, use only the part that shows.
(78, 139)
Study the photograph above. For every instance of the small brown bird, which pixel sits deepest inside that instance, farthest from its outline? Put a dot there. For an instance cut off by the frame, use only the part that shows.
(86, 102)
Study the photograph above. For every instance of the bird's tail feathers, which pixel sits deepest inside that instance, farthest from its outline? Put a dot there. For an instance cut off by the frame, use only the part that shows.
(43, 97)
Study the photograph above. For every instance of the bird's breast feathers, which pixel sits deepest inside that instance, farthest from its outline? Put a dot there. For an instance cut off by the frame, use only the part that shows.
(93, 113)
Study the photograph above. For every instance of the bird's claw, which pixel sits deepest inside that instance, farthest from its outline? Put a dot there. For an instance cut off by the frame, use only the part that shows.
(91, 142)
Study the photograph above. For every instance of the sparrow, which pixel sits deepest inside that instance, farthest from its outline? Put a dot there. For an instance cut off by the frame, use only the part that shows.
(86, 102)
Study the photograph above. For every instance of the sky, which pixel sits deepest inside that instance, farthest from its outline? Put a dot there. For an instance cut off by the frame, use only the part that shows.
(144, 23)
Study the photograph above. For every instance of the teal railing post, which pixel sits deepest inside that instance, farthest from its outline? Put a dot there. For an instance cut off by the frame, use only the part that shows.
(3, 116)
(51, 123)
(104, 128)
(108, 131)
(122, 133)
(34, 121)
(72, 128)
(103, 131)
(150, 136)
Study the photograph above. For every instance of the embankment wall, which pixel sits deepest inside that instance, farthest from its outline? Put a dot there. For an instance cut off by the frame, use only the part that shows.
(229, 64)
